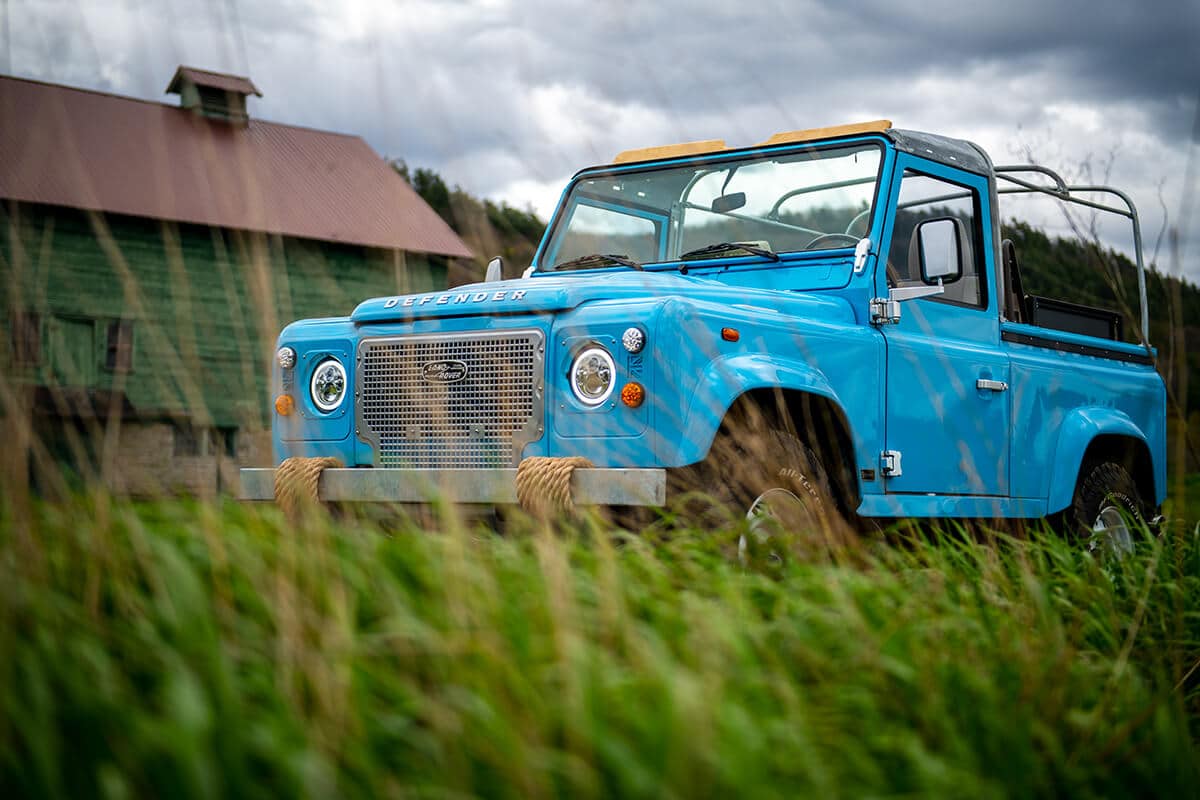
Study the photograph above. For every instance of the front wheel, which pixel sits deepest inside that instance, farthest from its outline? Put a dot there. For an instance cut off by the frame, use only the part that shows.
(1107, 509)
(788, 502)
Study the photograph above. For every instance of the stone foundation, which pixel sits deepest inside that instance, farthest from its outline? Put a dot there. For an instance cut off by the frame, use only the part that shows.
(152, 459)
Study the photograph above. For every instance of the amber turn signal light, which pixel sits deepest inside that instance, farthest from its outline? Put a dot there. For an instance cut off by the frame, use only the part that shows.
(730, 334)
(284, 405)
(633, 394)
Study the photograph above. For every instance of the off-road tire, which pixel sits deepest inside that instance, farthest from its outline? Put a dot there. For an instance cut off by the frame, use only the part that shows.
(756, 459)
(778, 459)
(1102, 488)
(784, 494)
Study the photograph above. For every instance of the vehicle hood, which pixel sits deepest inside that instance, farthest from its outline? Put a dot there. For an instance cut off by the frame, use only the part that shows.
(542, 295)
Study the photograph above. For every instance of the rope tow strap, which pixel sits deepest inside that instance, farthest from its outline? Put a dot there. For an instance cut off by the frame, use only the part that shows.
(544, 484)
(296, 482)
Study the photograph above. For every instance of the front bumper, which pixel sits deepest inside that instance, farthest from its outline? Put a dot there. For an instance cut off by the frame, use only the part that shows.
(603, 487)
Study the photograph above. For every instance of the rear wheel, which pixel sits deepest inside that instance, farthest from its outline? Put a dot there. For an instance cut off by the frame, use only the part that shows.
(1107, 509)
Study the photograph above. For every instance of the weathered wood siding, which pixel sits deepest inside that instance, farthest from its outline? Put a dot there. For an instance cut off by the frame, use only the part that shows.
(206, 304)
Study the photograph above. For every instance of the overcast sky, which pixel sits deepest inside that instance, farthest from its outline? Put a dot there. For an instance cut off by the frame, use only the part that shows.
(510, 98)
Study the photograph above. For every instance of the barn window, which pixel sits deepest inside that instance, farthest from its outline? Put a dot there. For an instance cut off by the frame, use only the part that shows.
(227, 438)
(118, 354)
(27, 338)
(187, 443)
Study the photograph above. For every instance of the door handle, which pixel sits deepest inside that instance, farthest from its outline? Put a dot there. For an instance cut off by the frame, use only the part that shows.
(991, 385)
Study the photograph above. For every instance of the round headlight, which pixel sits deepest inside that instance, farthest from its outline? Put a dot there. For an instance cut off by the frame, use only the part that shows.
(328, 384)
(286, 357)
(592, 376)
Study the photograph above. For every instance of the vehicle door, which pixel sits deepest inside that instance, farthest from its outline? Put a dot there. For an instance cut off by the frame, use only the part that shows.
(947, 416)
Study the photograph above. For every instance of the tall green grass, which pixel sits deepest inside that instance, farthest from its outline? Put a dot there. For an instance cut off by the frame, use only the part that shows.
(177, 650)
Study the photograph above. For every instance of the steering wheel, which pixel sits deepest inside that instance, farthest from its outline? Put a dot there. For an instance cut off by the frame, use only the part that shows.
(844, 236)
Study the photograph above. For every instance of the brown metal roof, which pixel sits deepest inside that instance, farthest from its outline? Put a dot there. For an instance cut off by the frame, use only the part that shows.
(216, 80)
(84, 149)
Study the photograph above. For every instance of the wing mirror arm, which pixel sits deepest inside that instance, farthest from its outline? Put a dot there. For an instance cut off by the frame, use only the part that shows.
(901, 294)
(886, 311)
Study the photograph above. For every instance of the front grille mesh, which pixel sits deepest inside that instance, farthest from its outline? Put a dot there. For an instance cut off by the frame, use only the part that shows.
(419, 422)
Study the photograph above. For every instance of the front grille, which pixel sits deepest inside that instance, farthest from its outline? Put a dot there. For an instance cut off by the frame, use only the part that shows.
(419, 409)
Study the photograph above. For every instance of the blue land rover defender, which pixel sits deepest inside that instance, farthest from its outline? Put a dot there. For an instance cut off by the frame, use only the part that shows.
(844, 291)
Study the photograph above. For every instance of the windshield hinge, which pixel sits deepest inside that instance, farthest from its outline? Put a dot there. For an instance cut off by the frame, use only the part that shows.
(884, 311)
(861, 251)
(889, 464)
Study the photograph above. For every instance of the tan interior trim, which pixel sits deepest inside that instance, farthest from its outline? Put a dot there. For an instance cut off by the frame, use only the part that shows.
(812, 134)
(670, 151)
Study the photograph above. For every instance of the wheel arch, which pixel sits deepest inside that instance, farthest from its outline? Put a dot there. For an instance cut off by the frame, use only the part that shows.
(821, 423)
(1093, 436)
(781, 387)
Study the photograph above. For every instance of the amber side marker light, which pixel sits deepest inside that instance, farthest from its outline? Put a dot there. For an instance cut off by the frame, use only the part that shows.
(284, 405)
(730, 334)
(633, 394)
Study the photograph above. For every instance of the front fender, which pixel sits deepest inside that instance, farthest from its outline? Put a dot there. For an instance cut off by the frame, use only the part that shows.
(727, 378)
(1078, 431)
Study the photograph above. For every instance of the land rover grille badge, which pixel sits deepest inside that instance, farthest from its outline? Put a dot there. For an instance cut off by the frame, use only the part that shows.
(444, 371)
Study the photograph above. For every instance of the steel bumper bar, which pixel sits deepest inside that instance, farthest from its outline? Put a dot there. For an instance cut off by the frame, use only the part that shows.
(605, 487)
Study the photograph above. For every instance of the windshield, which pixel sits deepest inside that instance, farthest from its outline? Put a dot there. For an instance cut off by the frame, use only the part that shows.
(812, 200)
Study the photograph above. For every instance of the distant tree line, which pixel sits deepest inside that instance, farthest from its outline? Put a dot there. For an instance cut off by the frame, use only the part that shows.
(490, 229)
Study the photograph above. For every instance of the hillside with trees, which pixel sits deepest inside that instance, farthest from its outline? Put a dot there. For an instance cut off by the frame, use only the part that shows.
(489, 229)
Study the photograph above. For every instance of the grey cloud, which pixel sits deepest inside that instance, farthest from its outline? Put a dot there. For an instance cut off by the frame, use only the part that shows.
(494, 94)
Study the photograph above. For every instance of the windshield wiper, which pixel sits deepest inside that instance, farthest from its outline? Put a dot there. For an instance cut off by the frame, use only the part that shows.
(723, 248)
(599, 260)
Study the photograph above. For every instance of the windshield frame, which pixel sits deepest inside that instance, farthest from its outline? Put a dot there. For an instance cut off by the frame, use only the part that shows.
(704, 165)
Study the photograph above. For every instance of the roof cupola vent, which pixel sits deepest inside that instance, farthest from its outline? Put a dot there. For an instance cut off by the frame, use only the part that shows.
(213, 94)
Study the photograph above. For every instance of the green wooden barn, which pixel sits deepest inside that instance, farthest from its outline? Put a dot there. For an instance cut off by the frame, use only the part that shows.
(152, 252)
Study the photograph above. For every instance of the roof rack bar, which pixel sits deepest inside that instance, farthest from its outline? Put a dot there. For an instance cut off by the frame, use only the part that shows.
(1063, 192)
(1076, 200)
(1053, 191)
(1137, 247)
(1054, 176)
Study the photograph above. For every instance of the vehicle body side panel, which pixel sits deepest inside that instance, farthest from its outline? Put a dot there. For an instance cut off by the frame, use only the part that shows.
(1061, 401)
(952, 506)
(837, 360)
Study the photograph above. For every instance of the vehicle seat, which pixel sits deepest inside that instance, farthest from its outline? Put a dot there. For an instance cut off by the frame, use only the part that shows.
(1015, 300)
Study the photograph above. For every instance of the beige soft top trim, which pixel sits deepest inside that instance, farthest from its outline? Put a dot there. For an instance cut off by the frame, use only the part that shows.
(812, 134)
(670, 151)
(717, 145)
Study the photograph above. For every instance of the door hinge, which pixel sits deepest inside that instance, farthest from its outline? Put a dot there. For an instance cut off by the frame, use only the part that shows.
(884, 311)
(889, 464)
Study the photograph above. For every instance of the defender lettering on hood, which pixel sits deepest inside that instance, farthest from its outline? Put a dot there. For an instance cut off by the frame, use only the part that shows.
(458, 297)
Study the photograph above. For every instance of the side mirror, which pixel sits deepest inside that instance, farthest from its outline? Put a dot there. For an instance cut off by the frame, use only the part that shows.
(941, 249)
(495, 270)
